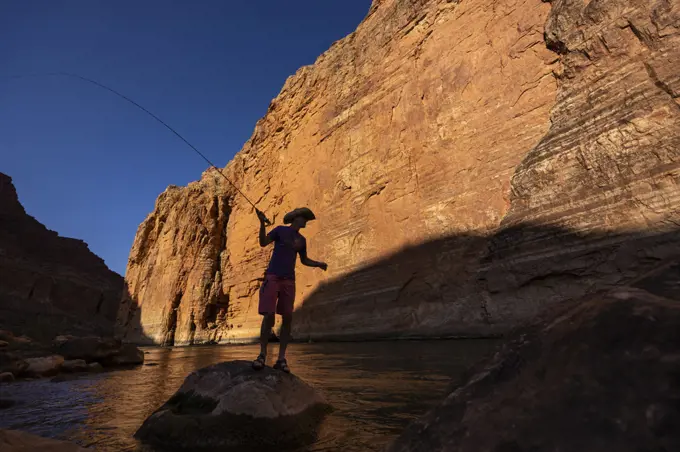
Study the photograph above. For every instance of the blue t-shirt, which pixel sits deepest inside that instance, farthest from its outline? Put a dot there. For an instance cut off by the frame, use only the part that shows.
(287, 244)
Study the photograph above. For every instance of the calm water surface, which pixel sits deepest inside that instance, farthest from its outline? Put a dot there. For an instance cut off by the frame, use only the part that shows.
(376, 389)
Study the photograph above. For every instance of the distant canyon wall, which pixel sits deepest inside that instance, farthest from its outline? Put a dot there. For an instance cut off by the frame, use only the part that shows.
(469, 162)
(49, 284)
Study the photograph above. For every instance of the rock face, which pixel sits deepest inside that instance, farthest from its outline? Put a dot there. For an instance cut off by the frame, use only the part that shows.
(470, 163)
(595, 203)
(597, 374)
(16, 441)
(232, 405)
(50, 284)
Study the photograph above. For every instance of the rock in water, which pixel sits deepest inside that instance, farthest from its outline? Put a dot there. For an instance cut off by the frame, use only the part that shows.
(6, 377)
(95, 367)
(88, 348)
(231, 405)
(74, 365)
(598, 376)
(16, 441)
(11, 362)
(44, 366)
(128, 355)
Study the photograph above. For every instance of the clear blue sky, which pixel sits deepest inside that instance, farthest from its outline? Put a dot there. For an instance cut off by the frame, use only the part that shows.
(89, 165)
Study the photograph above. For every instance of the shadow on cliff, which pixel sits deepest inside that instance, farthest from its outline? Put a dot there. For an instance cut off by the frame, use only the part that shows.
(128, 323)
(462, 285)
(472, 285)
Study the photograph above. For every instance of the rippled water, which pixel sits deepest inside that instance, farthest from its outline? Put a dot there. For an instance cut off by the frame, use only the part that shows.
(376, 388)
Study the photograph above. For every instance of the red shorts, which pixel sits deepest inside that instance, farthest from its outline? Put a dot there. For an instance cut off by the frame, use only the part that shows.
(277, 289)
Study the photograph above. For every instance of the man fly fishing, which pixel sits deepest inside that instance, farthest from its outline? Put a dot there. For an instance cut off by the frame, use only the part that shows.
(277, 293)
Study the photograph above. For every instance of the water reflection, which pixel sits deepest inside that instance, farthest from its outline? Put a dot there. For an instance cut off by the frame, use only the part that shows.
(376, 389)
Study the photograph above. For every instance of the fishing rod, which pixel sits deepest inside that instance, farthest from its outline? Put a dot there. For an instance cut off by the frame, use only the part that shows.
(100, 85)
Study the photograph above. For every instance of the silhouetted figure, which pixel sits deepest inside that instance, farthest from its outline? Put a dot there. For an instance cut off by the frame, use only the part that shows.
(277, 293)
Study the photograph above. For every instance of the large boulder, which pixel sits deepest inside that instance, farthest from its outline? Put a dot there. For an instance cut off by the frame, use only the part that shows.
(601, 374)
(90, 348)
(16, 441)
(231, 405)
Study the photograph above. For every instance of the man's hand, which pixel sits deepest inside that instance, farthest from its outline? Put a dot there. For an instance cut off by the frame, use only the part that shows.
(262, 217)
(323, 266)
(264, 238)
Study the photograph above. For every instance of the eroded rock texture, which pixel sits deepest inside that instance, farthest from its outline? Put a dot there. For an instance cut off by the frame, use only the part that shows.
(49, 284)
(450, 152)
(606, 174)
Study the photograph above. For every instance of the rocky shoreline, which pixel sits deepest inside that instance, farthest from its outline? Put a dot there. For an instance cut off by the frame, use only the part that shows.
(22, 358)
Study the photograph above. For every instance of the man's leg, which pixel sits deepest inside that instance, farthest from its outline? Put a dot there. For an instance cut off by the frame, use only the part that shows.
(267, 307)
(287, 320)
(265, 331)
(285, 309)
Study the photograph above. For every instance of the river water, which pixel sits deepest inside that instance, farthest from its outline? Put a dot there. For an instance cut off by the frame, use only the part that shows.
(376, 388)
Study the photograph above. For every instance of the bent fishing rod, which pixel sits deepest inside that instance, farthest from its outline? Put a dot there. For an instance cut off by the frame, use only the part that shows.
(100, 85)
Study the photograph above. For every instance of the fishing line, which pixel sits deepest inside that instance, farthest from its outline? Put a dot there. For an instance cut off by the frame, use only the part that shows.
(100, 85)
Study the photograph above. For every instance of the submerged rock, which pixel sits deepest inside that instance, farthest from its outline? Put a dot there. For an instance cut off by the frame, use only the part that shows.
(231, 405)
(16, 441)
(598, 375)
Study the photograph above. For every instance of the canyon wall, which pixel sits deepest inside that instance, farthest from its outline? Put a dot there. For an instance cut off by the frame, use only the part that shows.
(49, 284)
(468, 162)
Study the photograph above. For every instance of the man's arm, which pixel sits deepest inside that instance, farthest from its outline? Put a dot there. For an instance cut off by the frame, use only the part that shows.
(265, 239)
(307, 262)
